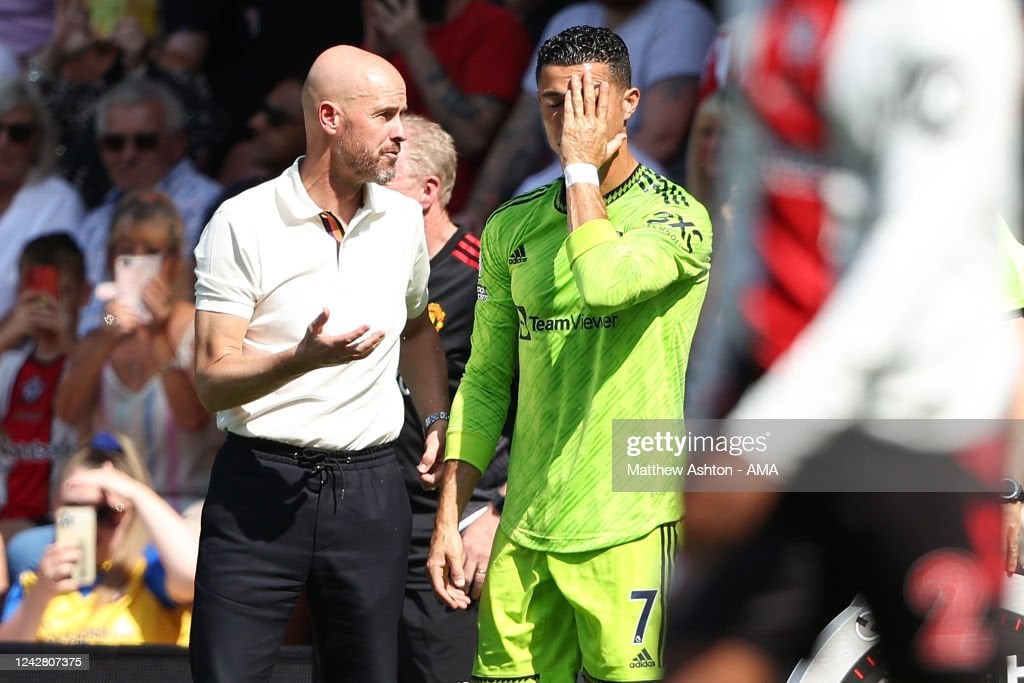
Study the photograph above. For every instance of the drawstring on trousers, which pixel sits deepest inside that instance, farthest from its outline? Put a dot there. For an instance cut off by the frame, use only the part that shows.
(330, 468)
(320, 464)
(326, 468)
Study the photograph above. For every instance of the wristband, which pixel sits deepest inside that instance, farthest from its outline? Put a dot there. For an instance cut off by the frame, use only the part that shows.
(581, 173)
(434, 417)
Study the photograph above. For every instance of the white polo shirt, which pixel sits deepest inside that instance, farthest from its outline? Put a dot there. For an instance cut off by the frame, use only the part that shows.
(266, 257)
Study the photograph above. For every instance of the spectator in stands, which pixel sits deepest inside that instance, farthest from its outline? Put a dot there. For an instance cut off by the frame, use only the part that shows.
(84, 58)
(245, 47)
(134, 373)
(667, 41)
(461, 61)
(145, 561)
(278, 138)
(140, 130)
(34, 345)
(85, 47)
(435, 643)
(705, 163)
(33, 200)
(703, 166)
(534, 14)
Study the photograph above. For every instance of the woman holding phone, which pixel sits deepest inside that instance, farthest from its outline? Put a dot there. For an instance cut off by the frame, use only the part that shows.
(144, 554)
(134, 373)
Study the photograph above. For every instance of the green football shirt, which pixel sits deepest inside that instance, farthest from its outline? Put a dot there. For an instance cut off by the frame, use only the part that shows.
(601, 323)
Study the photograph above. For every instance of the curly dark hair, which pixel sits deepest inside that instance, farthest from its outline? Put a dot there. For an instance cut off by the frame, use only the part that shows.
(582, 44)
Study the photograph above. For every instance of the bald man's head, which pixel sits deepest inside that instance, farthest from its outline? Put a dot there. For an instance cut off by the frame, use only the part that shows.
(343, 73)
(351, 102)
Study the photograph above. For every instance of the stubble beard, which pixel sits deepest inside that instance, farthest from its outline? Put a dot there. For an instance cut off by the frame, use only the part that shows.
(386, 172)
(368, 165)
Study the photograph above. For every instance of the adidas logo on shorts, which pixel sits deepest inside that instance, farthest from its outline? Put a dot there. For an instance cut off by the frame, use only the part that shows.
(643, 660)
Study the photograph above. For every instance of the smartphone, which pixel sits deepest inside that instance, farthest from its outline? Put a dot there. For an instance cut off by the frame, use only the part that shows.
(432, 11)
(43, 279)
(104, 15)
(77, 523)
(131, 275)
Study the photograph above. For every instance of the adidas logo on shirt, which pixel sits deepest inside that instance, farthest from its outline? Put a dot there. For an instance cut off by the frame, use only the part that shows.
(518, 255)
(643, 660)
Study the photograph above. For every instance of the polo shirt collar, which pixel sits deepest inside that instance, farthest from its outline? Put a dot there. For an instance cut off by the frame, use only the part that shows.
(373, 198)
(297, 203)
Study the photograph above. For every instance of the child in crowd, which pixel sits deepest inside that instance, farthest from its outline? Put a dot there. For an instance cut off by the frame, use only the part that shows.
(35, 341)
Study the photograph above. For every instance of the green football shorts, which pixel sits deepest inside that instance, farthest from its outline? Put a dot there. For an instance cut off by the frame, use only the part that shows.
(544, 616)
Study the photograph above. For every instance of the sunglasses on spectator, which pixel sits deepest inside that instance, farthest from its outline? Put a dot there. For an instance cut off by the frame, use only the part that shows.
(18, 132)
(144, 142)
(276, 117)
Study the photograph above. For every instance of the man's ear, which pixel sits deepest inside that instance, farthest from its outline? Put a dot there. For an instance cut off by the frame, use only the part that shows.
(328, 116)
(630, 101)
(430, 192)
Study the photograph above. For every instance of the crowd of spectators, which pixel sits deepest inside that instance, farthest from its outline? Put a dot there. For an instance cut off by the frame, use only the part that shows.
(120, 136)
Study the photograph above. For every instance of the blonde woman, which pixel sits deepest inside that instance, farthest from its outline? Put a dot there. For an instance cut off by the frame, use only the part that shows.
(145, 561)
(33, 199)
(134, 373)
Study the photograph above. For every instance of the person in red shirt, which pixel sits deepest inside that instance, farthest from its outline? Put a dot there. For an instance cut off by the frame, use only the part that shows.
(462, 61)
(34, 343)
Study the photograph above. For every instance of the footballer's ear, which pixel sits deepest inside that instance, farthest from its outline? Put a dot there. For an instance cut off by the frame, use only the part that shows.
(630, 101)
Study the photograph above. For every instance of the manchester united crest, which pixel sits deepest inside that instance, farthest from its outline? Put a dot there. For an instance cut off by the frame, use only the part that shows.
(437, 315)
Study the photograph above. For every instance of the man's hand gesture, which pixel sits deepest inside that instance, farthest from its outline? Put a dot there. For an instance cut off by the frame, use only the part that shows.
(322, 350)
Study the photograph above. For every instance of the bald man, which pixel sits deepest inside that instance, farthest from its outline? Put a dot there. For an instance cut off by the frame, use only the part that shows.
(311, 295)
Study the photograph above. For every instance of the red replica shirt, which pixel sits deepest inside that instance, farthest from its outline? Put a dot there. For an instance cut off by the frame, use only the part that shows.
(27, 428)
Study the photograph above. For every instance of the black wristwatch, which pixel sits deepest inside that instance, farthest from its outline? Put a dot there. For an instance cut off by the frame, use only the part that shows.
(1013, 492)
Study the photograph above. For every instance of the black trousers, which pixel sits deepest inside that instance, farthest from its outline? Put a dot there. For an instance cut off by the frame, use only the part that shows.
(278, 519)
(436, 644)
